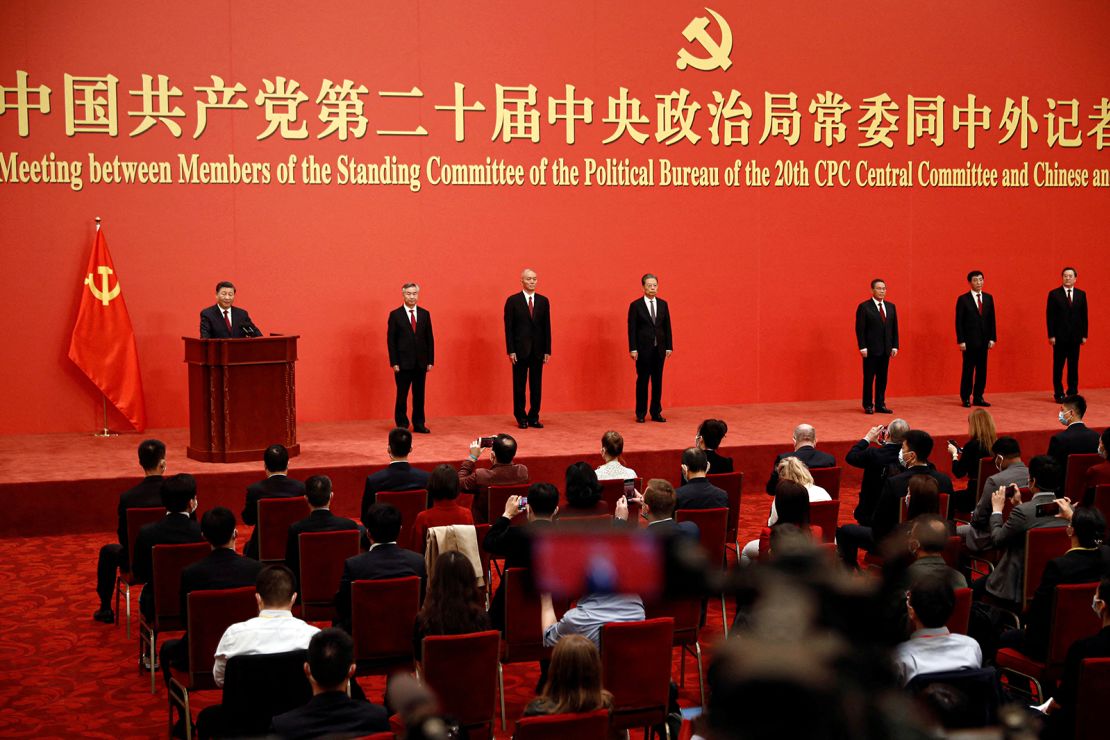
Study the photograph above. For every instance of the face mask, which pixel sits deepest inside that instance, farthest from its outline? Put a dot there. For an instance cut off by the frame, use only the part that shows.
(1095, 606)
(902, 459)
(1063, 419)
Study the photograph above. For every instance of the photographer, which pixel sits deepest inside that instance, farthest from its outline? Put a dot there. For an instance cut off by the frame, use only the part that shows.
(501, 472)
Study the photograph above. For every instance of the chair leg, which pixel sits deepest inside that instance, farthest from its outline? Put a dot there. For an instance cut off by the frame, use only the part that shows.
(127, 588)
(501, 688)
(724, 615)
(153, 658)
(118, 584)
(701, 675)
(682, 666)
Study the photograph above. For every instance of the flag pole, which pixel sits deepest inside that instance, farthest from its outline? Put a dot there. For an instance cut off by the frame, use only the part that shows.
(105, 431)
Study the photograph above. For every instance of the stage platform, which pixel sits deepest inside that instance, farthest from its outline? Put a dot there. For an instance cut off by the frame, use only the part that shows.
(62, 483)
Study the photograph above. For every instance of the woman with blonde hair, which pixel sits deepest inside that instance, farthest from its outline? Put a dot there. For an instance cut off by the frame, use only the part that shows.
(573, 681)
(965, 462)
(791, 469)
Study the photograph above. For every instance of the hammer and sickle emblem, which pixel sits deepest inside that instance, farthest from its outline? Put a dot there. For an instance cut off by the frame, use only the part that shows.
(718, 53)
(104, 295)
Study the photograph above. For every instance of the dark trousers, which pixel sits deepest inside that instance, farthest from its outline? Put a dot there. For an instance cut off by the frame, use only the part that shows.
(649, 368)
(406, 379)
(109, 560)
(973, 378)
(1065, 352)
(528, 371)
(874, 374)
(849, 539)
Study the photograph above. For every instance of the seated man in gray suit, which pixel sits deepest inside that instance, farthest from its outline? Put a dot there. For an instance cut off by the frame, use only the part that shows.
(1007, 458)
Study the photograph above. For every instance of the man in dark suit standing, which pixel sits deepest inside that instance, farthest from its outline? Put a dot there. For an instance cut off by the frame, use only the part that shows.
(976, 333)
(649, 344)
(224, 321)
(1066, 316)
(412, 352)
(276, 484)
(397, 476)
(179, 496)
(528, 343)
(877, 338)
(318, 493)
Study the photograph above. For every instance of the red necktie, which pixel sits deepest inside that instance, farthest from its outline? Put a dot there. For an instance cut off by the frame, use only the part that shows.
(227, 321)
(979, 302)
(412, 319)
(531, 311)
(882, 312)
(1069, 297)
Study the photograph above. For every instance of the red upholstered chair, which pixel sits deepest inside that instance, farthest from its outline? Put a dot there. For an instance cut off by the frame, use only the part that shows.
(636, 668)
(321, 565)
(951, 552)
(210, 614)
(167, 562)
(686, 615)
(136, 518)
(732, 484)
(825, 515)
(1072, 618)
(590, 726)
(274, 517)
(1078, 463)
(961, 615)
(1094, 688)
(1101, 502)
(463, 671)
(496, 498)
(612, 490)
(987, 468)
(409, 503)
(383, 613)
(1041, 545)
(827, 478)
(942, 507)
(523, 641)
(712, 528)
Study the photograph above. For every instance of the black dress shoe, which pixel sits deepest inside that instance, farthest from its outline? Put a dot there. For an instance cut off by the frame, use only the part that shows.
(522, 424)
(537, 424)
(104, 615)
(883, 410)
(981, 402)
(659, 418)
(639, 420)
(966, 403)
(1058, 399)
(868, 410)
(422, 430)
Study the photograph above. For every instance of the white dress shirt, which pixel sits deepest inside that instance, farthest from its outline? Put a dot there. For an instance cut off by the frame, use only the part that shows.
(272, 631)
(935, 650)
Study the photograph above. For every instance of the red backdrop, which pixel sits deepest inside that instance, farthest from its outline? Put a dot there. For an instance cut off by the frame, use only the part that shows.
(762, 282)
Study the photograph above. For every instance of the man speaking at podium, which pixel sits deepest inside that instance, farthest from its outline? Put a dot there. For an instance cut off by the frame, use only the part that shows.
(223, 321)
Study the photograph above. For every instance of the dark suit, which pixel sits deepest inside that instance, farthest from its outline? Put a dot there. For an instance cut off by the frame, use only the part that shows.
(1077, 439)
(397, 476)
(888, 508)
(413, 352)
(213, 326)
(320, 520)
(879, 337)
(877, 463)
(383, 561)
(148, 493)
(650, 338)
(717, 464)
(174, 529)
(331, 714)
(699, 493)
(528, 335)
(514, 544)
(1075, 566)
(274, 486)
(1067, 324)
(975, 330)
(1062, 721)
(810, 455)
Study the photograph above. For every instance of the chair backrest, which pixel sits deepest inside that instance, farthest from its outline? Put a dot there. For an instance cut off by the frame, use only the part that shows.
(1102, 501)
(685, 613)
(825, 515)
(732, 484)
(961, 615)
(462, 671)
(523, 629)
(612, 490)
(167, 563)
(409, 503)
(827, 478)
(322, 558)
(1041, 545)
(498, 495)
(136, 519)
(712, 528)
(1076, 474)
(274, 517)
(211, 612)
(636, 666)
(1072, 619)
(978, 689)
(589, 726)
(1094, 687)
(258, 687)
(951, 553)
(383, 613)
(987, 468)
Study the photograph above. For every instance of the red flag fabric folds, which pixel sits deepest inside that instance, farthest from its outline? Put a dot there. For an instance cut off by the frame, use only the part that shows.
(103, 342)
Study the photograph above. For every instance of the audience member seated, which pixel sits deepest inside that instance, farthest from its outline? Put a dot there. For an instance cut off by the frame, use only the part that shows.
(513, 544)
(878, 463)
(928, 537)
(1061, 708)
(923, 497)
(916, 448)
(147, 494)
(318, 493)
(698, 492)
(588, 615)
(331, 711)
(790, 468)
(711, 433)
(443, 490)
(965, 462)
(612, 447)
(583, 492)
(805, 450)
(1011, 470)
(276, 484)
(501, 472)
(179, 496)
(658, 510)
(1098, 475)
(1077, 439)
(791, 506)
(1004, 582)
(384, 560)
(454, 605)
(221, 568)
(931, 647)
(397, 476)
(573, 682)
(1088, 561)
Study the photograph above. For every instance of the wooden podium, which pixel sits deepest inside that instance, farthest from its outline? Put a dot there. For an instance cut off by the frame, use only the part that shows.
(242, 397)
